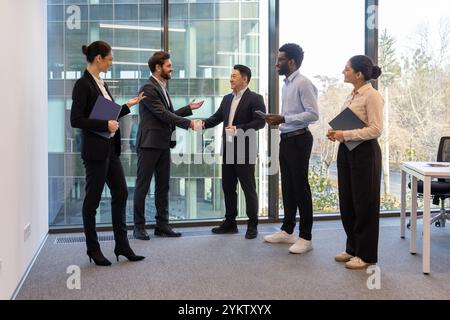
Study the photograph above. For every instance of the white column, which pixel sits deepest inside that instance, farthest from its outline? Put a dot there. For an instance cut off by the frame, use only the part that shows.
(191, 198)
(192, 51)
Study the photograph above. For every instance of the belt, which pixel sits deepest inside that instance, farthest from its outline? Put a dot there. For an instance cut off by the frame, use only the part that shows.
(294, 133)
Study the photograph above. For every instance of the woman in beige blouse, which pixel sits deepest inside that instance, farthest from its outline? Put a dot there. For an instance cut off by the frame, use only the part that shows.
(359, 170)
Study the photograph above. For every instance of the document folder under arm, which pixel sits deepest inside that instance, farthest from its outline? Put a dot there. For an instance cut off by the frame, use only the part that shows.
(105, 109)
(347, 120)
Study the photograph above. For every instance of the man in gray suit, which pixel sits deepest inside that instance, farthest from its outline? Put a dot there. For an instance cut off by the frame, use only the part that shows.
(154, 140)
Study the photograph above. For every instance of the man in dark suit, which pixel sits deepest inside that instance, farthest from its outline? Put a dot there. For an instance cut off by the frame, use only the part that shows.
(240, 122)
(153, 142)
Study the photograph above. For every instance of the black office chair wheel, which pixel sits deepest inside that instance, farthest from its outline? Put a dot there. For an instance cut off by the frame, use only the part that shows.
(437, 224)
(408, 225)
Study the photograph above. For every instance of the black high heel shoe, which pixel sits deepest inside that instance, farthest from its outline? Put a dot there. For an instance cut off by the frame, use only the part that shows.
(98, 257)
(127, 253)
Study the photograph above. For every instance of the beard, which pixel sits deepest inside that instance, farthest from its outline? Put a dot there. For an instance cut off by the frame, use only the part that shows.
(166, 76)
(283, 70)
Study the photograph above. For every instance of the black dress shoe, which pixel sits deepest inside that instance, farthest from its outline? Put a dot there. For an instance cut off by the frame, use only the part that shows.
(251, 233)
(98, 257)
(127, 253)
(166, 231)
(226, 227)
(141, 234)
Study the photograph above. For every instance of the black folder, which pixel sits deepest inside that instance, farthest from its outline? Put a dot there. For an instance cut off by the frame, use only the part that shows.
(261, 114)
(347, 120)
(105, 109)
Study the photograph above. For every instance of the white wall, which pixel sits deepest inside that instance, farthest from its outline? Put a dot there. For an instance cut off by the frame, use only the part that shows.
(23, 132)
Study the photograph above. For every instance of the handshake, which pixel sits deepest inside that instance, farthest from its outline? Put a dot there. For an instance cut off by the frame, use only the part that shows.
(197, 125)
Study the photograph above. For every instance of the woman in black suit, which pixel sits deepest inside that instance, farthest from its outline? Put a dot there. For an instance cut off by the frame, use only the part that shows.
(101, 155)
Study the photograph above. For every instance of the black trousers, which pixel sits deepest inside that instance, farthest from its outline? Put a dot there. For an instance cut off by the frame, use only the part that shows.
(245, 173)
(294, 164)
(97, 173)
(359, 178)
(152, 161)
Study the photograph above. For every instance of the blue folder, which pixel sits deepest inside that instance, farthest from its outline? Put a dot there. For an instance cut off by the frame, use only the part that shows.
(347, 120)
(105, 109)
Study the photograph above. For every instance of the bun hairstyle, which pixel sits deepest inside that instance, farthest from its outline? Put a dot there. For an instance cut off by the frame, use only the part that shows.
(94, 49)
(365, 65)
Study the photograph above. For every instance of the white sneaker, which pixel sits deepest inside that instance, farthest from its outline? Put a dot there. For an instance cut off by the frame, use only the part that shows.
(280, 237)
(301, 246)
(343, 257)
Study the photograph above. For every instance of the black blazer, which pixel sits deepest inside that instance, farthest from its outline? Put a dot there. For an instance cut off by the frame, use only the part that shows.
(84, 95)
(158, 118)
(244, 118)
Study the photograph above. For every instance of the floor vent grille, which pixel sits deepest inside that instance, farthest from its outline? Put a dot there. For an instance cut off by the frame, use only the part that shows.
(82, 239)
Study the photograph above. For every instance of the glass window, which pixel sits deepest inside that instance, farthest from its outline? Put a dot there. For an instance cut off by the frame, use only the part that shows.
(203, 48)
(330, 32)
(415, 60)
(125, 11)
(70, 25)
(250, 9)
(201, 10)
(55, 13)
(150, 11)
(100, 12)
(206, 40)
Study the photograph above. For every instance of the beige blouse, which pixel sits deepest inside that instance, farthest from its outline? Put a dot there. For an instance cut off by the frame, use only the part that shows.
(367, 103)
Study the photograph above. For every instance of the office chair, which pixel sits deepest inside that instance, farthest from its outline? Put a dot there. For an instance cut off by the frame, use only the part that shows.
(440, 189)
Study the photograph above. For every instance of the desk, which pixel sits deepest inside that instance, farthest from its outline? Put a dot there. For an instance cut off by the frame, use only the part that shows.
(419, 171)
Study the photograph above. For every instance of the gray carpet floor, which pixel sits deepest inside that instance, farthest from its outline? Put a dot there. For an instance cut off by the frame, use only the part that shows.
(201, 266)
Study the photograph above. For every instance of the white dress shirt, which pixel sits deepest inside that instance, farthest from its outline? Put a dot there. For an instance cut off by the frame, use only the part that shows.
(234, 104)
(163, 86)
(101, 85)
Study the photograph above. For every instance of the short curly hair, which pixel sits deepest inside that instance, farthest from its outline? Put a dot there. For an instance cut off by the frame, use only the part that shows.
(293, 51)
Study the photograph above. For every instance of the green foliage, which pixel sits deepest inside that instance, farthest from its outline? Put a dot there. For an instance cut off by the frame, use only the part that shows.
(410, 154)
(389, 202)
(387, 59)
(324, 193)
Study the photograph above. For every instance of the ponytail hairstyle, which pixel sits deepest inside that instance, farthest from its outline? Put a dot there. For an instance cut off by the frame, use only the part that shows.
(94, 49)
(365, 65)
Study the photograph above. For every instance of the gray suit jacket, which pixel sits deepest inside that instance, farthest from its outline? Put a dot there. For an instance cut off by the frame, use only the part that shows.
(158, 118)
